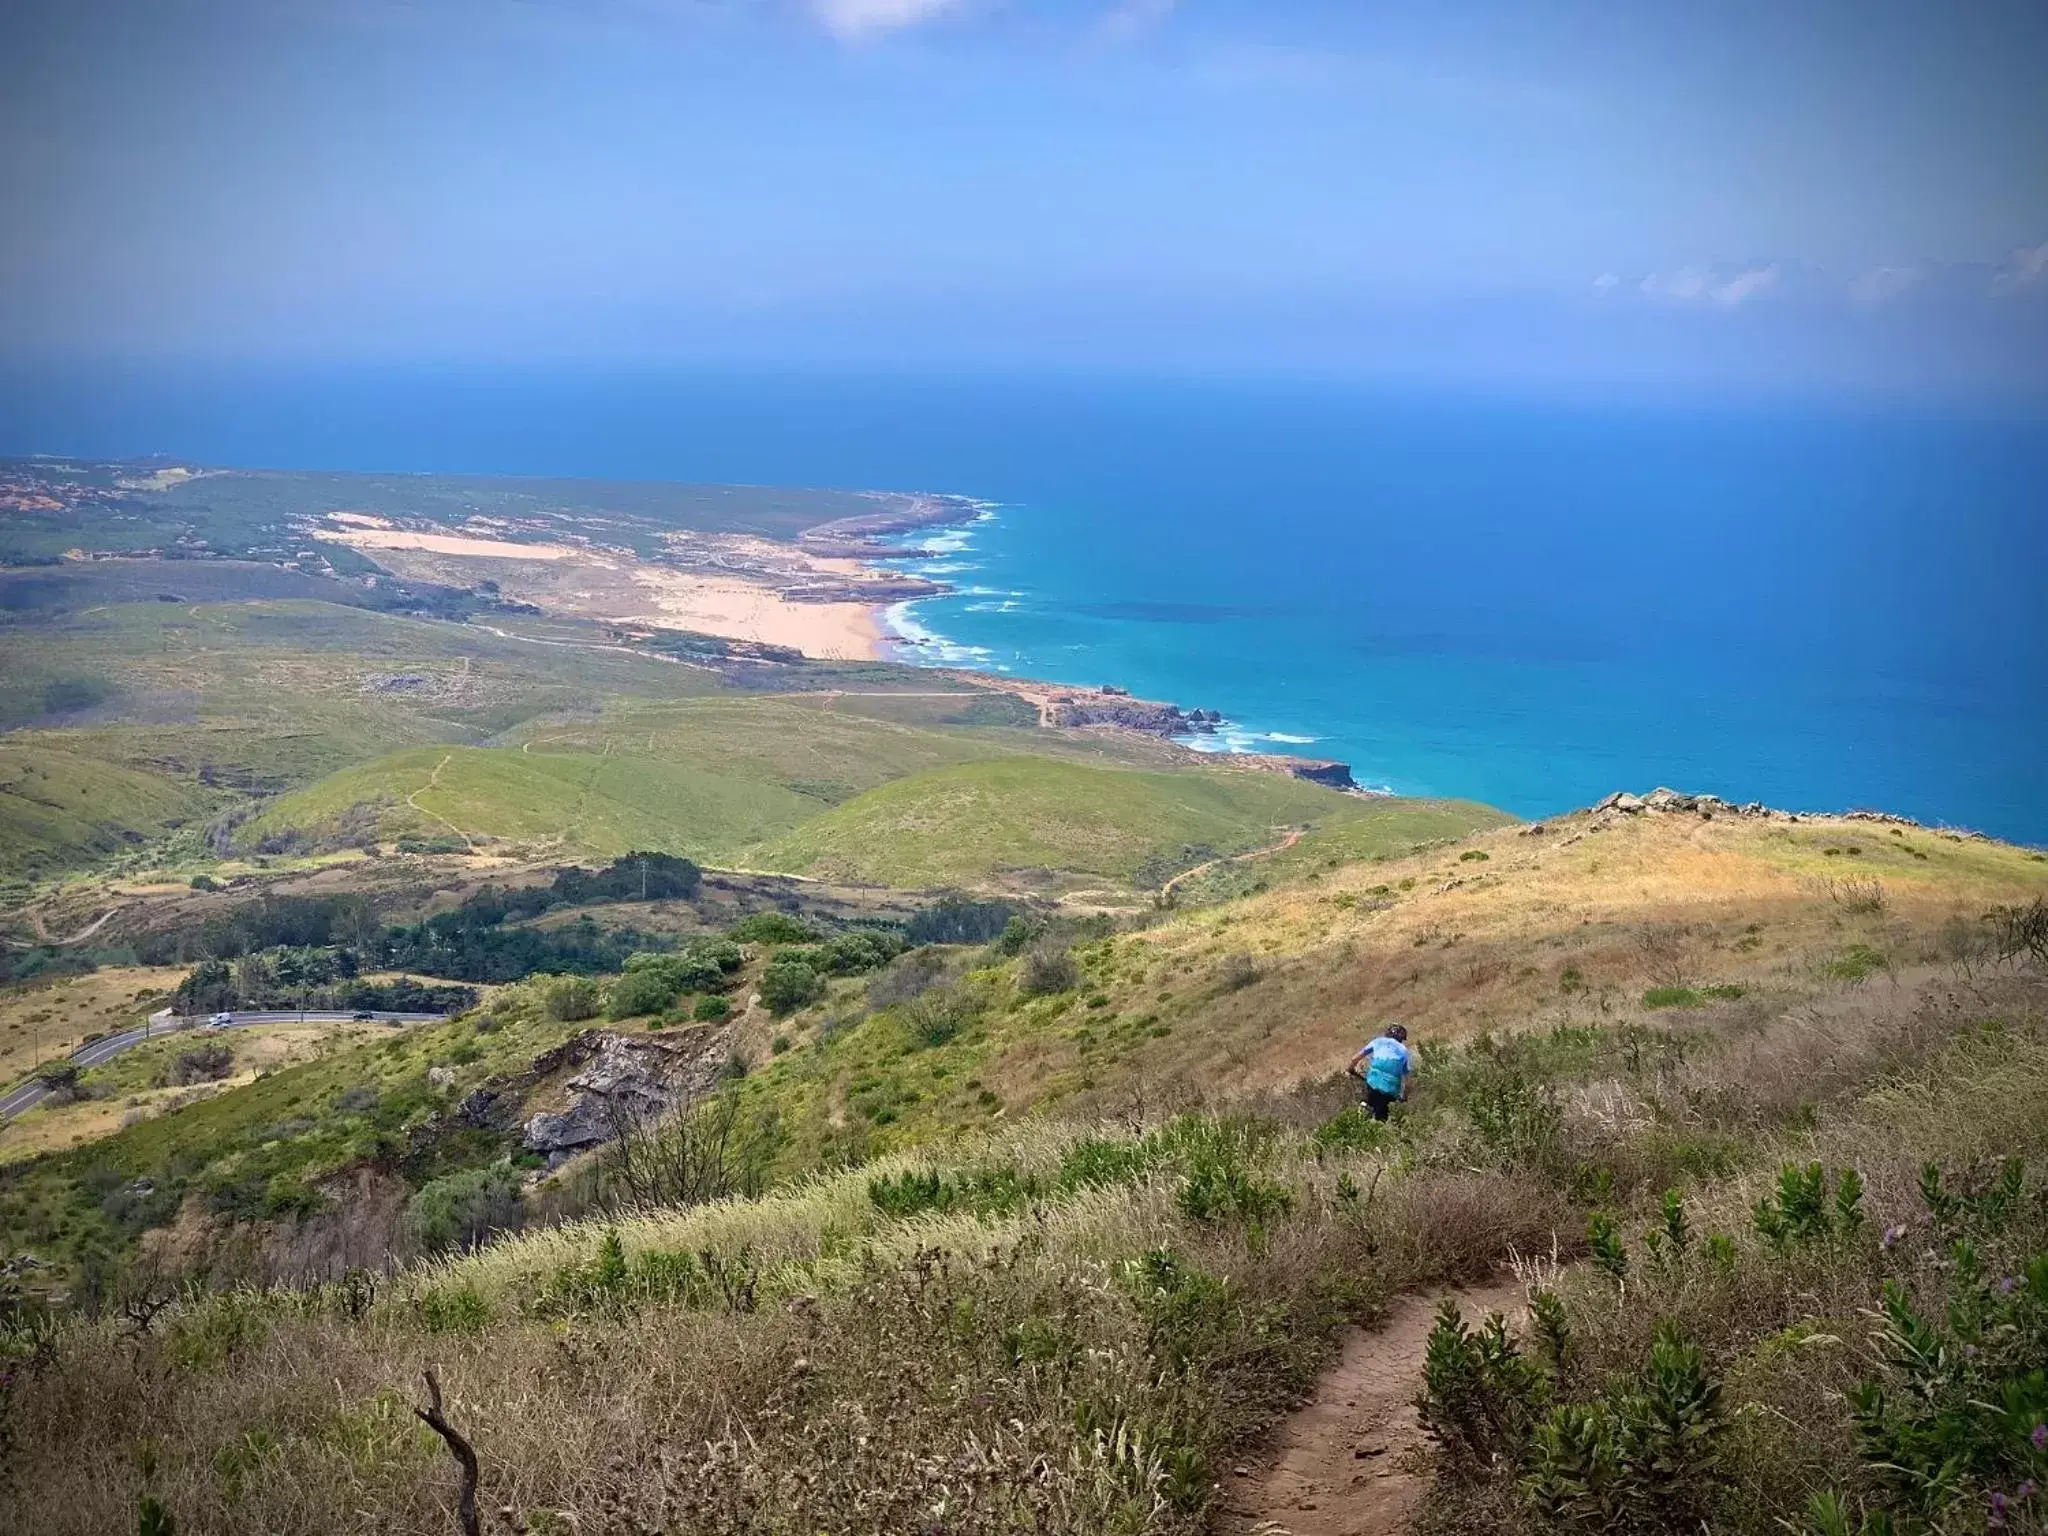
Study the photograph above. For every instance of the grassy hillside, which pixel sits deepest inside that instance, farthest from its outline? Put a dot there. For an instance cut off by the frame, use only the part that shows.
(958, 823)
(558, 803)
(806, 744)
(1081, 1328)
(59, 809)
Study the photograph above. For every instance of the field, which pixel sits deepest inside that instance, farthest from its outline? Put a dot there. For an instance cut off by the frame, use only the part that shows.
(549, 804)
(1040, 819)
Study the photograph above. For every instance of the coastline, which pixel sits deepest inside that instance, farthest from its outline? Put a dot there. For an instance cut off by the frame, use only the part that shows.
(844, 590)
(1099, 708)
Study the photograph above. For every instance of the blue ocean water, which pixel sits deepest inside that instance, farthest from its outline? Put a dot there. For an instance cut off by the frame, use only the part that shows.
(1817, 604)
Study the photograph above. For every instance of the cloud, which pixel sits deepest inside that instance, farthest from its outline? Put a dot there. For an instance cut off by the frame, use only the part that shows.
(1881, 284)
(2024, 268)
(855, 19)
(1725, 286)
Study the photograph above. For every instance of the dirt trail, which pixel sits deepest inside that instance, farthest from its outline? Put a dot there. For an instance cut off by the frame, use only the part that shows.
(1347, 1463)
(1282, 846)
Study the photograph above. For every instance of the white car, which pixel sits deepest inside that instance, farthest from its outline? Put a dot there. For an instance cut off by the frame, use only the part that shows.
(221, 1021)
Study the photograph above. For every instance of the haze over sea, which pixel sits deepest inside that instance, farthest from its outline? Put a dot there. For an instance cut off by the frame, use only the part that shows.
(1815, 604)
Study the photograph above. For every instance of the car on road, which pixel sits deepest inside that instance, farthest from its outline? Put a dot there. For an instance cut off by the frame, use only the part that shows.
(220, 1021)
(362, 1016)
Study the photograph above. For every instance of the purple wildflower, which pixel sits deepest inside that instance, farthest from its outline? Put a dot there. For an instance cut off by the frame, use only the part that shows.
(1892, 1235)
(2040, 1437)
(2005, 1285)
(1998, 1502)
(2025, 1490)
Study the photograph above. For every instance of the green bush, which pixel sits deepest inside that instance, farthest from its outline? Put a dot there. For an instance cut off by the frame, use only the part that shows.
(1805, 1210)
(788, 984)
(569, 999)
(1351, 1129)
(774, 928)
(1479, 1394)
(1645, 1456)
(464, 1210)
(711, 1009)
(637, 993)
(994, 1191)
(1854, 963)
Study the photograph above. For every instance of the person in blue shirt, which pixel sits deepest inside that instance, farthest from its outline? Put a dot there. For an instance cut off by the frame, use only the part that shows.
(1386, 1065)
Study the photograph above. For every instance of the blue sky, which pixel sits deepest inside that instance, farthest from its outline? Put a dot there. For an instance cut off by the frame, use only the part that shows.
(1766, 192)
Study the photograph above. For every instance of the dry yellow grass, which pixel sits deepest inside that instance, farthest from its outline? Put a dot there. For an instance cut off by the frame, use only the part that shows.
(45, 1022)
(1571, 924)
(53, 1126)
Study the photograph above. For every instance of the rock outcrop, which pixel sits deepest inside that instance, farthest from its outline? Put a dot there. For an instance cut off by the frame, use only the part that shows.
(620, 1079)
(1116, 708)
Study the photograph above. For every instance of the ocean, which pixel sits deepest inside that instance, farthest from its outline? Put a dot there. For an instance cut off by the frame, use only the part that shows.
(1817, 604)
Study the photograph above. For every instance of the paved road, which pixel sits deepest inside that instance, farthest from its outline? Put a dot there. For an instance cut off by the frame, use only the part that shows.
(29, 1094)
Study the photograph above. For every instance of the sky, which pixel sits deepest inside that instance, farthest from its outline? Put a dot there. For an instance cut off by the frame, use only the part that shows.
(1851, 193)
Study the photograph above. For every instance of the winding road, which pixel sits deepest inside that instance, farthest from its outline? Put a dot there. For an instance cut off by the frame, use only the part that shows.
(28, 1094)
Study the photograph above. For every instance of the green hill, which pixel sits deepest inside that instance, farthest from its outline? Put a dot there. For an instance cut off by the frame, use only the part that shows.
(573, 802)
(974, 819)
(59, 810)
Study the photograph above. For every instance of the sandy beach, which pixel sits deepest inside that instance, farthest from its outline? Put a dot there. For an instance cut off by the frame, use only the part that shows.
(613, 585)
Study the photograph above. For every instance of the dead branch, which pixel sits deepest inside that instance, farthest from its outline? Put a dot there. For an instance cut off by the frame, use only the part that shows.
(458, 1447)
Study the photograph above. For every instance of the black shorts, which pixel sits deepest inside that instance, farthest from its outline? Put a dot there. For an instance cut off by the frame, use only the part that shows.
(1377, 1104)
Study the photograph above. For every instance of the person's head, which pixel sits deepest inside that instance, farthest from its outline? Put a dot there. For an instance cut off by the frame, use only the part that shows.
(1398, 1032)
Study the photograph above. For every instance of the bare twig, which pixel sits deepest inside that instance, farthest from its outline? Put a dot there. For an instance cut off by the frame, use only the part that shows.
(458, 1447)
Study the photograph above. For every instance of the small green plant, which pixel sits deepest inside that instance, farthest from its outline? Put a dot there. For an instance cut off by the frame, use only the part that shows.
(1644, 1456)
(1349, 1130)
(1806, 1210)
(711, 1009)
(1603, 1239)
(1854, 963)
(1957, 1414)
(1479, 1393)
(1552, 1330)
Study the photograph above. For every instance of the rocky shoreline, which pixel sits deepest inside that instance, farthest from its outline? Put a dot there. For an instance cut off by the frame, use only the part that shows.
(1105, 708)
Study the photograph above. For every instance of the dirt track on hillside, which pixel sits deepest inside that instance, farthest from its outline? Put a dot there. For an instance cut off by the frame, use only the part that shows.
(1349, 1462)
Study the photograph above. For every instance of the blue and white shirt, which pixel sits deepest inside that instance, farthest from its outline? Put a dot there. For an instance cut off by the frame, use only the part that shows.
(1387, 1064)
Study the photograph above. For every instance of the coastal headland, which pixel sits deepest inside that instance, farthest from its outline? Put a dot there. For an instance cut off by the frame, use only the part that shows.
(821, 594)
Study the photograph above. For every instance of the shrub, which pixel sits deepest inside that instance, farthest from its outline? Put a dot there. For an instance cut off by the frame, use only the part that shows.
(915, 973)
(959, 920)
(463, 1210)
(639, 992)
(1854, 963)
(1236, 971)
(204, 883)
(1350, 1130)
(1646, 1456)
(774, 928)
(206, 1063)
(569, 999)
(787, 985)
(1479, 1395)
(1805, 1209)
(713, 1009)
(1048, 971)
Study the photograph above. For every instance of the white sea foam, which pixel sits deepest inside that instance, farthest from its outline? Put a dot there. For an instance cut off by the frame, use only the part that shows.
(928, 648)
(1293, 741)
